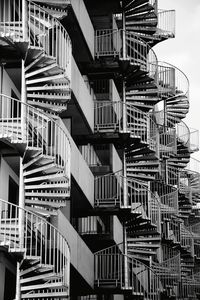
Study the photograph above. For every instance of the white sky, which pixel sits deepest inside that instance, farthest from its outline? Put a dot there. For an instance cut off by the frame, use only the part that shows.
(184, 51)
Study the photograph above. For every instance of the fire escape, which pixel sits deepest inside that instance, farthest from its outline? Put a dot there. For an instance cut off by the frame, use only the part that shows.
(40, 44)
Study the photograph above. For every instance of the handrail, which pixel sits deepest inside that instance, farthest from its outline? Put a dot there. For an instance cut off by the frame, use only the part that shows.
(108, 42)
(108, 115)
(115, 190)
(35, 237)
(39, 29)
(24, 124)
(125, 272)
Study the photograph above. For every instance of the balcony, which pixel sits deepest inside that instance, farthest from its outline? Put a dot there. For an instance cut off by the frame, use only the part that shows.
(45, 148)
(118, 118)
(118, 195)
(119, 273)
(100, 232)
(31, 238)
(138, 54)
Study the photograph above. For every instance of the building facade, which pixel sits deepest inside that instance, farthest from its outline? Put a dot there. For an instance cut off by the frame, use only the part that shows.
(98, 192)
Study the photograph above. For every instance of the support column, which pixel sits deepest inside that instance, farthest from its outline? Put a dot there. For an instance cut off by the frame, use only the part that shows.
(25, 19)
(21, 216)
(123, 33)
(126, 281)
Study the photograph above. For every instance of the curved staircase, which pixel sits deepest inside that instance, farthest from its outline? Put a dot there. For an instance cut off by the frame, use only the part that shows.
(42, 253)
(43, 46)
(153, 25)
(118, 272)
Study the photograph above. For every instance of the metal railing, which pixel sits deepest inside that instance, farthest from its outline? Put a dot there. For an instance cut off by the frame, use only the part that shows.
(26, 232)
(166, 23)
(32, 24)
(94, 225)
(115, 269)
(116, 191)
(26, 126)
(108, 42)
(173, 85)
(194, 140)
(168, 196)
(108, 116)
(187, 241)
(168, 271)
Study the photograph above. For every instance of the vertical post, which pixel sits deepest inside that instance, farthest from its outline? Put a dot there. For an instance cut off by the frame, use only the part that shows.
(25, 20)
(18, 293)
(123, 33)
(126, 281)
(21, 179)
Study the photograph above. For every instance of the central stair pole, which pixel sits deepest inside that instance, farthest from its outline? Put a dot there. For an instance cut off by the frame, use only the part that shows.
(21, 179)
(125, 191)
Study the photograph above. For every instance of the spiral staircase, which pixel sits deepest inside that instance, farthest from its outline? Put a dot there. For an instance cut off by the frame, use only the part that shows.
(43, 45)
(44, 260)
(147, 21)
(121, 273)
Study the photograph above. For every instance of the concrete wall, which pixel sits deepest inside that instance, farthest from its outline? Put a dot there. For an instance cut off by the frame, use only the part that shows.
(5, 172)
(82, 95)
(80, 170)
(5, 263)
(117, 230)
(82, 258)
(116, 162)
(84, 22)
(7, 85)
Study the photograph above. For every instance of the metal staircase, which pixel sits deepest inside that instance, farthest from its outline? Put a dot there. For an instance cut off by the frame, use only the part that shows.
(42, 44)
(118, 194)
(116, 271)
(153, 25)
(41, 251)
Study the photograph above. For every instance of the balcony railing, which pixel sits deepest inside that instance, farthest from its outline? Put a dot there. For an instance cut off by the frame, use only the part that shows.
(36, 27)
(29, 128)
(22, 231)
(108, 116)
(115, 191)
(114, 269)
(108, 42)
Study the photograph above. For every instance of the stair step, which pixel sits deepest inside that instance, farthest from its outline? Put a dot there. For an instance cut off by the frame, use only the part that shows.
(53, 87)
(53, 96)
(40, 169)
(37, 266)
(49, 177)
(47, 185)
(45, 79)
(48, 276)
(53, 295)
(46, 203)
(44, 286)
(40, 70)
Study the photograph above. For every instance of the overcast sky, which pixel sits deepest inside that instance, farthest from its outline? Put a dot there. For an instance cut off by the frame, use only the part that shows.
(184, 51)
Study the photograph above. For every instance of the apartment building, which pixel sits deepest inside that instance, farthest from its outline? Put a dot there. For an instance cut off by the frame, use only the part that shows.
(98, 193)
